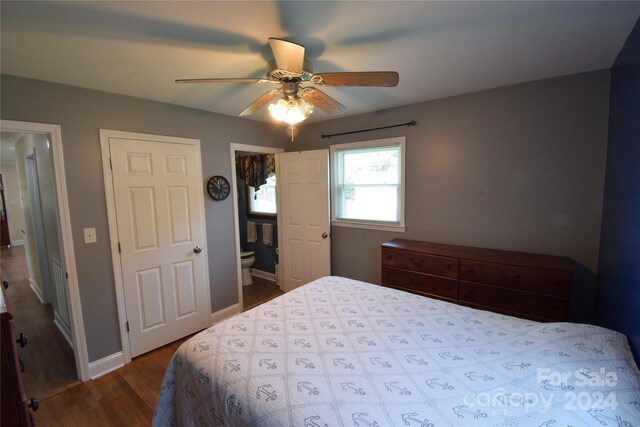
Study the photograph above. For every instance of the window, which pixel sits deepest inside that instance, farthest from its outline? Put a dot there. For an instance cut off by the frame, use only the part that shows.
(263, 201)
(368, 184)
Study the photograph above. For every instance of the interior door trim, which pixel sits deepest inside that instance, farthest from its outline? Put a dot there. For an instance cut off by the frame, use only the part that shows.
(64, 221)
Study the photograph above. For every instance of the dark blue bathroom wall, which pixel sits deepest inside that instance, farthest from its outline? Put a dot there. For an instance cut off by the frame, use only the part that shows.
(618, 298)
(266, 256)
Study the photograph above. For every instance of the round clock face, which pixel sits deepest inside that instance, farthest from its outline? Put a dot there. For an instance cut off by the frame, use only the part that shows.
(218, 187)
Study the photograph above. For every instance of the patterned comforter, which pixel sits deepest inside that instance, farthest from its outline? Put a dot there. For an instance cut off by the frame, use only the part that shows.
(339, 352)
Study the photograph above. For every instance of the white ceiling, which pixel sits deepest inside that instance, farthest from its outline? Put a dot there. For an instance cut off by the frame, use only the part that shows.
(439, 48)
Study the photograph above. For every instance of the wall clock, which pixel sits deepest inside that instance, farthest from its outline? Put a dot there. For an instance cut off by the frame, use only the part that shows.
(218, 187)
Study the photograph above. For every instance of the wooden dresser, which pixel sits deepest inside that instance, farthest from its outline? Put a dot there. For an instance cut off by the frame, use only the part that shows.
(15, 408)
(530, 286)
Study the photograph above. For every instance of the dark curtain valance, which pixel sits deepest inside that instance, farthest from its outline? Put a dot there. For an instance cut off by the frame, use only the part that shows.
(256, 168)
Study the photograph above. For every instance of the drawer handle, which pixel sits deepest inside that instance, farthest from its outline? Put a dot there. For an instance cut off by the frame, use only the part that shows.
(469, 291)
(447, 267)
(555, 282)
(470, 270)
(34, 404)
(553, 306)
(21, 363)
(388, 256)
(447, 287)
(387, 273)
(417, 263)
(22, 340)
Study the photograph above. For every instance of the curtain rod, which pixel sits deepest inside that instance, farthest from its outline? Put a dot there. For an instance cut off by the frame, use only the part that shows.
(411, 123)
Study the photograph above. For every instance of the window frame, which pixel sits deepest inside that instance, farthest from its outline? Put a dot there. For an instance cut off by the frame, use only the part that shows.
(258, 215)
(398, 226)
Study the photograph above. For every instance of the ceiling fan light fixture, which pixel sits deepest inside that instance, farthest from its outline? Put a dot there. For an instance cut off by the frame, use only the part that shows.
(291, 110)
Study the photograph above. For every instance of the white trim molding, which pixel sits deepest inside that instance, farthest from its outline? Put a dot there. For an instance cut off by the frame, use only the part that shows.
(338, 197)
(106, 365)
(263, 274)
(64, 221)
(36, 290)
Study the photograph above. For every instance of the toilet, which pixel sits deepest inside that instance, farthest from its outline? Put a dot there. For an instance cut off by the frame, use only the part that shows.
(246, 261)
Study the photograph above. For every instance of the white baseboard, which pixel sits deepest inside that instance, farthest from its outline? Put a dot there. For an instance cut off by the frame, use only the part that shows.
(36, 290)
(225, 313)
(263, 274)
(64, 330)
(106, 365)
(17, 243)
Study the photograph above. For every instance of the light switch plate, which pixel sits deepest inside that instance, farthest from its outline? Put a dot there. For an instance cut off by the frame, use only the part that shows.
(90, 235)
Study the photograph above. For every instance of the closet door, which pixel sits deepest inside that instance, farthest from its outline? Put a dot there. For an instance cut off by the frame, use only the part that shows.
(161, 235)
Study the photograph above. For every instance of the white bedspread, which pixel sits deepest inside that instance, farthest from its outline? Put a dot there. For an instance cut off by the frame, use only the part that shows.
(338, 352)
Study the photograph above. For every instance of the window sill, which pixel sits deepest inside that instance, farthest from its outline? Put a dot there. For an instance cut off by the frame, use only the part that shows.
(400, 228)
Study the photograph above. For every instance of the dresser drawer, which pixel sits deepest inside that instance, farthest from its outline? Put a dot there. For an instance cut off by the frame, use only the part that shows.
(420, 283)
(553, 308)
(555, 282)
(471, 292)
(511, 276)
(430, 264)
(511, 300)
(389, 257)
(499, 298)
(470, 270)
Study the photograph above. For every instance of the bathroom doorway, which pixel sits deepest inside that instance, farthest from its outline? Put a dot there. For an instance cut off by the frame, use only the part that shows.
(255, 217)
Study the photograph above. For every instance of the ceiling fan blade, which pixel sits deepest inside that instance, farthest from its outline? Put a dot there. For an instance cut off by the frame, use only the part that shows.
(358, 78)
(289, 56)
(230, 80)
(263, 100)
(321, 100)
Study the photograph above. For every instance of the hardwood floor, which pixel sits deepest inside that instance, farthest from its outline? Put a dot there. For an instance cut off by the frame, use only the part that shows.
(124, 397)
(127, 396)
(48, 358)
(260, 291)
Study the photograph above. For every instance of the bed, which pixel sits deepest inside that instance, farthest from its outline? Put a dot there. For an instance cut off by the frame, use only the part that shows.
(339, 352)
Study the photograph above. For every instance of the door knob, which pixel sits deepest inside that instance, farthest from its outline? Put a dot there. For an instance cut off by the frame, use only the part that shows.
(22, 340)
(197, 250)
(34, 404)
(325, 235)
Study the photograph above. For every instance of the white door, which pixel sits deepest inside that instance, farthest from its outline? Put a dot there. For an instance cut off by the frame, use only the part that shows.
(303, 216)
(37, 223)
(160, 217)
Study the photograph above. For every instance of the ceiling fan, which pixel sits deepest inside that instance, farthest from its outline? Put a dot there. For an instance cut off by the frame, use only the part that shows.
(298, 84)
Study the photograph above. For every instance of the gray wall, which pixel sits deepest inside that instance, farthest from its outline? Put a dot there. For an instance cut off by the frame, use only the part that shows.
(515, 168)
(81, 113)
